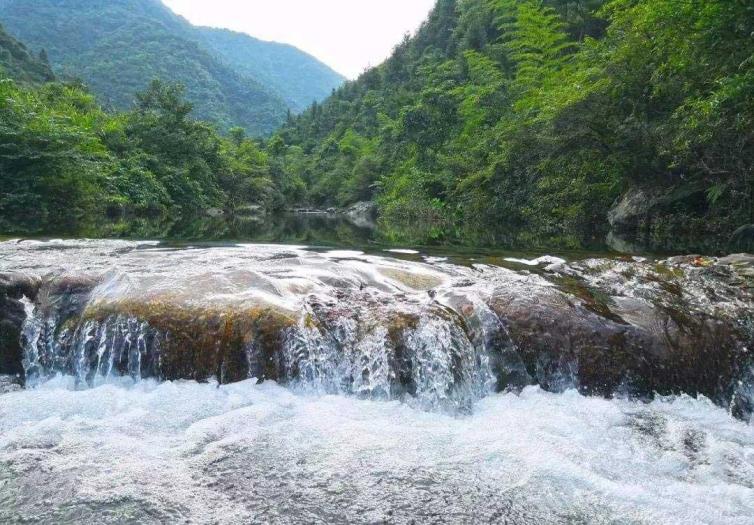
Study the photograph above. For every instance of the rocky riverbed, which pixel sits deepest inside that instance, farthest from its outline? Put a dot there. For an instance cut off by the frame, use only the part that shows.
(375, 326)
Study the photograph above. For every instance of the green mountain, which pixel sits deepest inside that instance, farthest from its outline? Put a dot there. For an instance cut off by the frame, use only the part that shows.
(118, 46)
(18, 63)
(296, 76)
(546, 121)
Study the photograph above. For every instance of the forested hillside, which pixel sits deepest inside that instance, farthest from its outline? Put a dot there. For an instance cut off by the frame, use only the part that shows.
(519, 121)
(546, 120)
(18, 62)
(65, 163)
(299, 78)
(118, 46)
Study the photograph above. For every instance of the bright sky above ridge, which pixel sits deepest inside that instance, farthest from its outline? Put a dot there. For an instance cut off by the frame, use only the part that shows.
(348, 35)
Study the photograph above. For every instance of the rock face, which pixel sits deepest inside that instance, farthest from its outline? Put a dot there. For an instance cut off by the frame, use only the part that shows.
(13, 287)
(344, 322)
(637, 209)
(363, 214)
(661, 340)
(629, 211)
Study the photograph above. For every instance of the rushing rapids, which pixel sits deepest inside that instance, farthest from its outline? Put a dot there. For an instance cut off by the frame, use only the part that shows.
(423, 330)
(279, 384)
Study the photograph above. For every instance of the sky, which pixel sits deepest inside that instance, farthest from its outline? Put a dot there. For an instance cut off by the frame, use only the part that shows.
(348, 35)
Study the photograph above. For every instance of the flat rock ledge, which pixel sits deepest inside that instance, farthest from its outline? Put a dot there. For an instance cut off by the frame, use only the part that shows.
(604, 326)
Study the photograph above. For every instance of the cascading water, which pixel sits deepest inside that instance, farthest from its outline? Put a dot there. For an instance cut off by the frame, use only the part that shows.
(431, 361)
(243, 384)
(90, 351)
(339, 322)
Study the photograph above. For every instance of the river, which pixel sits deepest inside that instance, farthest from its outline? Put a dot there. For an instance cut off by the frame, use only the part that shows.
(260, 383)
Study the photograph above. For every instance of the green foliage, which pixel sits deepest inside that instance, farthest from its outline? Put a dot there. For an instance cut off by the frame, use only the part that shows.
(64, 161)
(298, 78)
(118, 46)
(512, 119)
(18, 63)
(50, 155)
(534, 116)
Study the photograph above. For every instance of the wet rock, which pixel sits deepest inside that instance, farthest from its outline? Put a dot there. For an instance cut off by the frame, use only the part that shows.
(13, 287)
(662, 329)
(171, 342)
(10, 384)
(16, 285)
(11, 352)
(740, 259)
(442, 334)
(57, 307)
(363, 214)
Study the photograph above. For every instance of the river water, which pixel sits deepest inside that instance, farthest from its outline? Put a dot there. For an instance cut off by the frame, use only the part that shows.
(246, 453)
(84, 444)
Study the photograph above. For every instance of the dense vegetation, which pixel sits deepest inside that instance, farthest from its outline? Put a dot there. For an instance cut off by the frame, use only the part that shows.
(118, 46)
(533, 119)
(524, 121)
(64, 162)
(18, 62)
(299, 78)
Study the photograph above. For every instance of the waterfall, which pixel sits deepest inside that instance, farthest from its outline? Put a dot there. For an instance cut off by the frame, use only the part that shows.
(430, 357)
(90, 350)
(432, 362)
(432, 334)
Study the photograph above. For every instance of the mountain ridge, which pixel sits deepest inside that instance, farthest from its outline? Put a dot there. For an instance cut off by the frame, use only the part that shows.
(304, 80)
(117, 47)
(20, 64)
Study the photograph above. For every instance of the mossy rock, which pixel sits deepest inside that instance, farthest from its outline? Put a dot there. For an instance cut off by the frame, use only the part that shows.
(678, 351)
(214, 342)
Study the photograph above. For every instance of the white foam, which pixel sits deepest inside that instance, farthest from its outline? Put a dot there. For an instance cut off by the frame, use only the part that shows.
(547, 259)
(403, 251)
(178, 452)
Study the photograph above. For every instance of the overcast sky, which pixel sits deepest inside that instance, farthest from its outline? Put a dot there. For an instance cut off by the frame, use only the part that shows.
(348, 35)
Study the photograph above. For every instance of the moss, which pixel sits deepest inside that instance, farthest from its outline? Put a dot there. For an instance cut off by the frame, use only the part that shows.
(310, 322)
(668, 272)
(591, 298)
(629, 273)
(397, 327)
(599, 269)
(399, 324)
(202, 343)
(667, 284)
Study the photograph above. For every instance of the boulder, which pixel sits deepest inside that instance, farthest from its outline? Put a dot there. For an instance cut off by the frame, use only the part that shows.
(666, 330)
(214, 212)
(249, 210)
(363, 214)
(648, 208)
(382, 327)
(632, 209)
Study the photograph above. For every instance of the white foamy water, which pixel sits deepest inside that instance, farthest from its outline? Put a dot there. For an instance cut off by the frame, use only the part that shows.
(247, 453)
